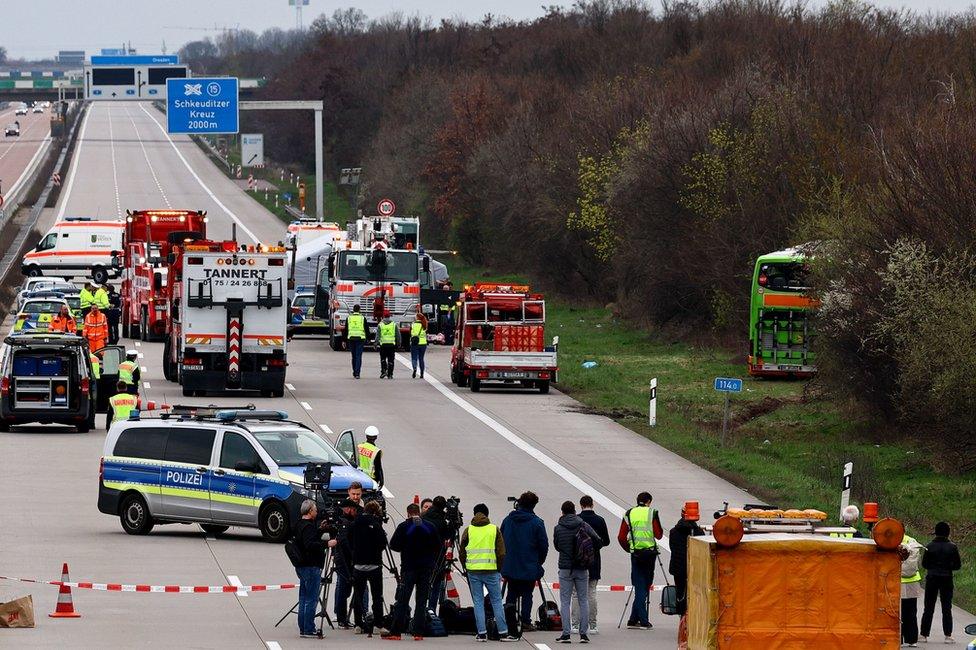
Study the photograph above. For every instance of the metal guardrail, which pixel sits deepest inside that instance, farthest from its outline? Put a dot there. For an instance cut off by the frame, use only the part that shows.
(15, 252)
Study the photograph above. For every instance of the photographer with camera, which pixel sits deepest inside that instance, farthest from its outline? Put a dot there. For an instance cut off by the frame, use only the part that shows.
(310, 542)
(368, 541)
(343, 562)
(436, 515)
(418, 544)
(527, 546)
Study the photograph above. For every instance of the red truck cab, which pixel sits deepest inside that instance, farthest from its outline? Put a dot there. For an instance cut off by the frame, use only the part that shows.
(147, 242)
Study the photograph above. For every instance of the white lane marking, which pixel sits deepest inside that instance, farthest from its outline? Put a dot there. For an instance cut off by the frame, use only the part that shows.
(73, 169)
(325, 427)
(146, 384)
(306, 406)
(386, 492)
(140, 355)
(144, 369)
(138, 344)
(145, 154)
(289, 387)
(234, 580)
(542, 646)
(273, 645)
(555, 466)
(115, 170)
(199, 180)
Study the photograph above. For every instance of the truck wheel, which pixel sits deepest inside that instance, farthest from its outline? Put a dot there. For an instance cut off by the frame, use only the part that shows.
(4, 427)
(144, 326)
(214, 529)
(167, 369)
(544, 386)
(188, 392)
(99, 275)
(462, 378)
(135, 516)
(454, 376)
(33, 272)
(475, 385)
(273, 521)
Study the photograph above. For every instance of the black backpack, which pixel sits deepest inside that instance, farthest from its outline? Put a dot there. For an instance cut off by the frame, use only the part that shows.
(295, 552)
(584, 554)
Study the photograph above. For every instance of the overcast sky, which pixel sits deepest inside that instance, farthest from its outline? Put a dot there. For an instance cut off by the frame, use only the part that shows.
(39, 28)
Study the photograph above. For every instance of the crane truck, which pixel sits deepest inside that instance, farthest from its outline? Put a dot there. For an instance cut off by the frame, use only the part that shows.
(228, 318)
(146, 243)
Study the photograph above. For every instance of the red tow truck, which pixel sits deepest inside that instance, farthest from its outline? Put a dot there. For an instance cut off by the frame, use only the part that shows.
(500, 337)
(147, 242)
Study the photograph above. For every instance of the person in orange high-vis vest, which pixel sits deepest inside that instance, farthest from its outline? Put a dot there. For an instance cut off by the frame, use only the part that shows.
(63, 322)
(96, 329)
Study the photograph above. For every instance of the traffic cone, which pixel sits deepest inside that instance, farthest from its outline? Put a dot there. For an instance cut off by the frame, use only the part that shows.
(65, 608)
(452, 592)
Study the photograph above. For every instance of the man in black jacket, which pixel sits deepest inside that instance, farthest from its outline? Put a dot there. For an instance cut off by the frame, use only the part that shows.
(368, 541)
(418, 544)
(940, 560)
(343, 563)
(599, 524)
(686, 527)
(308, 537)
(437, 515)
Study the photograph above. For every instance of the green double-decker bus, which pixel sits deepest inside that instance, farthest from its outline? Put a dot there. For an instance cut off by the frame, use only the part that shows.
(780, 324)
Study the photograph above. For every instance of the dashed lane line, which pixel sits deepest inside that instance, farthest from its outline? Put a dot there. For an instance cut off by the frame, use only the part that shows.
(138, 344)
(145, 154)
(73, 168)
(386, 492)
(553, 465)
(325, 427)
(306, 406)
(289, 387)
(146, 384)
(272, 645)
(115, 169)
(213, 197)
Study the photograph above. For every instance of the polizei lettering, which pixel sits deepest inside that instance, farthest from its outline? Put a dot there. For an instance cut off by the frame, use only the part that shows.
(236, 273)
(184, 478)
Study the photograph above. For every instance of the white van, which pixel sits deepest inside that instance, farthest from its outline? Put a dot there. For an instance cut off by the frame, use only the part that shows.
(77, 246)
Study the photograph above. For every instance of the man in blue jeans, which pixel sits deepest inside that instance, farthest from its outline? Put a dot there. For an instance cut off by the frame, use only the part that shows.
(638, 535)
(482, 551)
(357, 332)
(309, 540)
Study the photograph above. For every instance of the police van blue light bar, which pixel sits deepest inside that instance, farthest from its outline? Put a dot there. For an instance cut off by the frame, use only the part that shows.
(231, 415)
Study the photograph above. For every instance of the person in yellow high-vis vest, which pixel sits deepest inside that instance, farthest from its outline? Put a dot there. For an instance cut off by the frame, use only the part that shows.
(129, 372)
(120, 405)
(357, 333)
(387, 335)
(638, 535)
(482, 552)
(418, 342)
(911, 588)
(369, 456)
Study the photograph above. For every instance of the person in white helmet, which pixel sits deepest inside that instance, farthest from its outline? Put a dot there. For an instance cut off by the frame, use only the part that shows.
(370, 456)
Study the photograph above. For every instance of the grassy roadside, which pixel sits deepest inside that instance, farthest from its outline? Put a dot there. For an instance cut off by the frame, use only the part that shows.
(785, 447)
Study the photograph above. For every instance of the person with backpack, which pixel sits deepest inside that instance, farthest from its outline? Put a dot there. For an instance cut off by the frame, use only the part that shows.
(576, 542)
(418, 544)
(599, 524)
(941, 558)
(306, 550)
(638, 535)
(368, 541)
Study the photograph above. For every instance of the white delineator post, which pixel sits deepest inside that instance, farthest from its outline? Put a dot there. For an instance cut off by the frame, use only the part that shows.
(845, 490)
(652, 409)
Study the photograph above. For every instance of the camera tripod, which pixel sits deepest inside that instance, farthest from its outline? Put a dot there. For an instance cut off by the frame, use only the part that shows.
(328, 571)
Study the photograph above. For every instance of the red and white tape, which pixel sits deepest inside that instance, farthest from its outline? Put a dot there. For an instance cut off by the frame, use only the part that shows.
(158, 589)
(555, 585)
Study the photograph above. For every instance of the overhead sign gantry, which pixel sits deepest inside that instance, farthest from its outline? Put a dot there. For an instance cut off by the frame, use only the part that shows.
(131, 76)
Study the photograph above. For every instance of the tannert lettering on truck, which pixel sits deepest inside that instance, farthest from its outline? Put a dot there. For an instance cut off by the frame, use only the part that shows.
(184, 478)
(240, 274)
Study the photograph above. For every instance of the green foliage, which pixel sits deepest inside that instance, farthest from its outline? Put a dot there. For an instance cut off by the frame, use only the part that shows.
(595, 177)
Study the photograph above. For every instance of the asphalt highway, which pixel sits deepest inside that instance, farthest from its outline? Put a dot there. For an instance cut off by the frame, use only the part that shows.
(17, 152)
(436, 438)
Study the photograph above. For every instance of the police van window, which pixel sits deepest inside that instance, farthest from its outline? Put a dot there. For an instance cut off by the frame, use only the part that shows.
(141, 443)
(189, 446)
(236, 449)
(47, 242)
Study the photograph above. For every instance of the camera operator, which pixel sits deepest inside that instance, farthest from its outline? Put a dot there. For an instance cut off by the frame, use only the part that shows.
(436, 514)
(309, 538)
(343, 563)
(368, 541)
(419, 545)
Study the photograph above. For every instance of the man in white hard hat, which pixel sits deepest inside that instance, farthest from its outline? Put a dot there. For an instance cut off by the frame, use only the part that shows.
(370, 456)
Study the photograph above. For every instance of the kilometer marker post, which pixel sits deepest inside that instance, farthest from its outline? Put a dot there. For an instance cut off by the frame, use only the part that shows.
(652, 408)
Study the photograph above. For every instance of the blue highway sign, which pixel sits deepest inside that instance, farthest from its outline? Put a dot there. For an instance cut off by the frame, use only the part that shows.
(202, 105)
(136, 59)
(728, 385)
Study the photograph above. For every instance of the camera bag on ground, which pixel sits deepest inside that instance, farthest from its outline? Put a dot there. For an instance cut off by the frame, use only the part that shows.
(511, 619)
(669, 595)
(549, 618)
(457, 620)
(435, 626)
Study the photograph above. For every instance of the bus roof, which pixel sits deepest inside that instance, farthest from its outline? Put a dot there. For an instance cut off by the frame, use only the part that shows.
(794, 253)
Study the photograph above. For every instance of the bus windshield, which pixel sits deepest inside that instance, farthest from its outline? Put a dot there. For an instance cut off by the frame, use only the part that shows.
(783, 276)
(401, 266)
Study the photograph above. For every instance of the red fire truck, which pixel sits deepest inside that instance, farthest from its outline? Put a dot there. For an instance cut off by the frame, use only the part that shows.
(500, 337)
(148, 239)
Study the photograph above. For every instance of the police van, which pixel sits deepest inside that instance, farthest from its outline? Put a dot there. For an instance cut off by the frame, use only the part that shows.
(77, 246)
(217, 468)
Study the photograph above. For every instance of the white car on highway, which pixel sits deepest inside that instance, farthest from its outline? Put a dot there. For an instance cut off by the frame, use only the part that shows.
(21, 110)
(12, 129)
(38, 108)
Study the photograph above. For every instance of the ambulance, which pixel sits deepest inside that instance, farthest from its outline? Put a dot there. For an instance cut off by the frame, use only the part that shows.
(78, 247)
